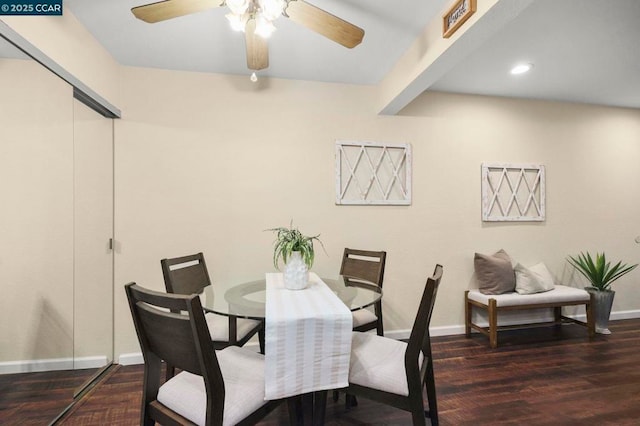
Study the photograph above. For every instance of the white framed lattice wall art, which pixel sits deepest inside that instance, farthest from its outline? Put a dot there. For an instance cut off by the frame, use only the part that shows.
(513, 192)
(372, 173)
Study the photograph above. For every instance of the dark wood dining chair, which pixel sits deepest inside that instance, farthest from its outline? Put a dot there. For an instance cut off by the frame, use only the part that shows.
(368, 266)
(223, 387)
(393, 372)
(189, 275)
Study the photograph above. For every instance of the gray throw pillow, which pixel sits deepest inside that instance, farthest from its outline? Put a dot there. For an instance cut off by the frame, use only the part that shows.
(494, 273)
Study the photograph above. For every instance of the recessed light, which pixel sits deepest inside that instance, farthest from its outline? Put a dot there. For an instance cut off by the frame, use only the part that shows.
(521, 69)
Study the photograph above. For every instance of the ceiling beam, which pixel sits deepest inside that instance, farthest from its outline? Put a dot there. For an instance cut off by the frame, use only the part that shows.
(431, 56)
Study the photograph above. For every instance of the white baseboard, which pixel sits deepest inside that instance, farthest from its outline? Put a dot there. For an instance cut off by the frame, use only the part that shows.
(52, 364)
(31, 366)
(452, 330)
(622, 315)
(131, 359)
(619, 315)
(89, 362)
(447, 330)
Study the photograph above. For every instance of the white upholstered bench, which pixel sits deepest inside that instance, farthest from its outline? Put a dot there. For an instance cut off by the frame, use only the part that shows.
(557, 298)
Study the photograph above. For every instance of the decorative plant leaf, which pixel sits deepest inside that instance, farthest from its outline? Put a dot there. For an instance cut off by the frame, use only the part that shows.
(599, 273)
(291, 239)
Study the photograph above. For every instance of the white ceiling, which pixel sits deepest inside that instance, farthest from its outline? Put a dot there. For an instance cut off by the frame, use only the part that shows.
(204, 41)
(582, 50)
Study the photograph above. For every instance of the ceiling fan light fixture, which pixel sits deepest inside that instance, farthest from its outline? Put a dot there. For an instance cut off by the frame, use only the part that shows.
(238, 7)
(237, 22)
(272, 9)
(255, 18)
(264, 27)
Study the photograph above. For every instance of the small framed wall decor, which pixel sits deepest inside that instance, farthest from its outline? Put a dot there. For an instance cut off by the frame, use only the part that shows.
(456, 16)
(513, 192)
(371, 173)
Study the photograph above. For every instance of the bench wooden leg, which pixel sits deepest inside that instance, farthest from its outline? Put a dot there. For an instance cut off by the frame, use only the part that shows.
(591, 320)
(493, 323)
(467, 314)
(557, 314)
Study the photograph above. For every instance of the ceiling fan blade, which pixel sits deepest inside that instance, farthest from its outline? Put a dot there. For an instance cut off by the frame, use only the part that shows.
(324, 23)
(257, 47)
(163, 10)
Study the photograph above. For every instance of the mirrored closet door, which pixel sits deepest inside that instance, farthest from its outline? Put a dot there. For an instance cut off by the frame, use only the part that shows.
(56, 224)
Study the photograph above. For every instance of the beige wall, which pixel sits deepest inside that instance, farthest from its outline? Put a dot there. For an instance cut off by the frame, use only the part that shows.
(207, 162)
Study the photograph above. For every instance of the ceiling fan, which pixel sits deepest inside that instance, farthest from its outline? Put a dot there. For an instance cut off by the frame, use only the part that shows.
(255, 18)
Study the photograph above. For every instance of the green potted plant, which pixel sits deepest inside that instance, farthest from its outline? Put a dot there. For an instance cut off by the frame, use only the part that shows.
(601, 274)
(297, 253)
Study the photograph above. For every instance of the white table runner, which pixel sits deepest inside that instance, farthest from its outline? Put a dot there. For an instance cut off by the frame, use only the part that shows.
(307, 339)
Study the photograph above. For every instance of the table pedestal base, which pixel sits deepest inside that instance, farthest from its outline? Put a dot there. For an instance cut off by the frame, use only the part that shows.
(308, 409)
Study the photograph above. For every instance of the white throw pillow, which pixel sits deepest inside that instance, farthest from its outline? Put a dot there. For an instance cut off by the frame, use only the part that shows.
(532, 280)
(543, 272)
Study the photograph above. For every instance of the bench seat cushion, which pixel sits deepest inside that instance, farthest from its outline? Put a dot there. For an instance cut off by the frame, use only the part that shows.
(559, 294)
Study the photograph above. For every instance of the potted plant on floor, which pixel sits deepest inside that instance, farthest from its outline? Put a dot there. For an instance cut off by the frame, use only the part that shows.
(296, 251)
(601, 275)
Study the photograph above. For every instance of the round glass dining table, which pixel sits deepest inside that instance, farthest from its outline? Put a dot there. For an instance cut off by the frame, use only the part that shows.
(247, 300)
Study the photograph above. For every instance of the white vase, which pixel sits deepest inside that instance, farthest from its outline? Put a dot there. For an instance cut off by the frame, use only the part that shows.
(296, 273)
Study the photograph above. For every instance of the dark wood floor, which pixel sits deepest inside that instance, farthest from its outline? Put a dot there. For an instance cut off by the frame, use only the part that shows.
(536, 377)
(37, 398)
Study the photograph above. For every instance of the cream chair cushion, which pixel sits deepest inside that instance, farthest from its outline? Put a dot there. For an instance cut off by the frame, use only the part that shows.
(243, 373)
(219, 326)
(378, 362)
(363, 316)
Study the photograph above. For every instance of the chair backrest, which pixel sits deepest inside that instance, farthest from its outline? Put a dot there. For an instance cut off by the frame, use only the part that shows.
(363, 264)
(420, 340)
(186, 274)
(180, 337)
